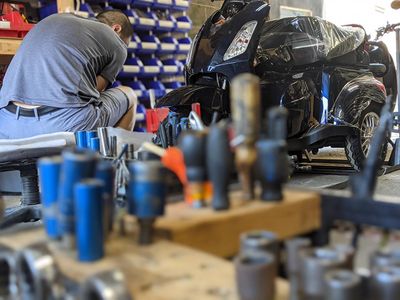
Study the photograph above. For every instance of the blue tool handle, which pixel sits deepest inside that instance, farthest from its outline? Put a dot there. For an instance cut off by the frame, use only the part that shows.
(89, 206)
(81, 141)
(105, 172)
(49, 174)
(95, 144)
(146, 199)
(76, 166)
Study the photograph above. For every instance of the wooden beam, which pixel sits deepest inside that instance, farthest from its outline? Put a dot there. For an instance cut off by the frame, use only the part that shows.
(65, 6)
(9, 46)
(161, 271)
(218, 232)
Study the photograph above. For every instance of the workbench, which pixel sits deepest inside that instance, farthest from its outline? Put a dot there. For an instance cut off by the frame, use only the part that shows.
(161, 271)
(218, 232)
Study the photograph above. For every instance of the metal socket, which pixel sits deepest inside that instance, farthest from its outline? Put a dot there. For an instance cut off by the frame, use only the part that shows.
(37, 272)
(130, 151)
(107, 285)
(343, 285)
(113, 146)
(314, 264)
(385, 283)
(102, 132)
(293, 248)
(384, 257)
(8, 274)
(259, 241)
(255, 276)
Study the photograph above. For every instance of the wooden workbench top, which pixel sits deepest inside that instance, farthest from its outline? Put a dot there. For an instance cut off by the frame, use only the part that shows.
(161, 271)
(218, 232)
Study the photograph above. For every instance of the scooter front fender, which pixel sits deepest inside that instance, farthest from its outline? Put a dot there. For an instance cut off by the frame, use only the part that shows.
(211, 99)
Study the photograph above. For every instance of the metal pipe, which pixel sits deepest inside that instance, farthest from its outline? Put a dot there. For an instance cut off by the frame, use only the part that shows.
(89, 209)
(255, 276)
(342, 285)
(104, 141)
(38, 272)
(108, 285)
(49, 173)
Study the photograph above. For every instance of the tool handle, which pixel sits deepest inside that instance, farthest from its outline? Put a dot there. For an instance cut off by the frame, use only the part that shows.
(277, 123)
(193, 146)
(245, 105)
(219, 163)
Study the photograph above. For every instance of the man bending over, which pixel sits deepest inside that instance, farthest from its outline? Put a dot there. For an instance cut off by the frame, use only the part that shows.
(58, 78)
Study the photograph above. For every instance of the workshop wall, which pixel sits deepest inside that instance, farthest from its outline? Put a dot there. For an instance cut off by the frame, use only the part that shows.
(200, 10)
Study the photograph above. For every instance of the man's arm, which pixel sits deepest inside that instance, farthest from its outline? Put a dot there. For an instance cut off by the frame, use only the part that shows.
(101, 83)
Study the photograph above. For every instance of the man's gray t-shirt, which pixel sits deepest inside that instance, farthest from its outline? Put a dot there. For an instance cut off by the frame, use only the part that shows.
(58, 61)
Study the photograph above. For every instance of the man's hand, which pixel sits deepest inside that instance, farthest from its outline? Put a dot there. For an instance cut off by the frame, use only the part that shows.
(101, 84)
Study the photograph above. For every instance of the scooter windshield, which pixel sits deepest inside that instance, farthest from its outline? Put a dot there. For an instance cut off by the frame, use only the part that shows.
(306, 40)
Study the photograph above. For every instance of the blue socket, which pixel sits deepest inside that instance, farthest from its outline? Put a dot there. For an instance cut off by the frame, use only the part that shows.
(89, 209)
(81, 141)
(105, 173)
(89, 136)
(95, 144)
(76, 166)
(49, 174)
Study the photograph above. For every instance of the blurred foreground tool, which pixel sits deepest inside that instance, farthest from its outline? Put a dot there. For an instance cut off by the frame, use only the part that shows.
(219, 163)
(343, 285)
(193, 147)
(49, 174)
(76, 166)
(384, 283)
(255, 275)
(105, 172)
(172, 159)
(89, 220)
(314, 264)
(273, 162)
(395, 4)
(245, 105)
(146, 196)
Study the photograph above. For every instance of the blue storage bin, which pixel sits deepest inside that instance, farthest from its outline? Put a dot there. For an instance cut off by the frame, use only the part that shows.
(133, 67)
(140, 90)
(183, 24)
(144, 20)
(165, 24)
(142, 3)
(85, 10)
(181, 5)
(184, 45)
(135, 44)
(168, 45)
(163, 4)
(149, 44)
(152, 67)
(157, 87)
(172, 67)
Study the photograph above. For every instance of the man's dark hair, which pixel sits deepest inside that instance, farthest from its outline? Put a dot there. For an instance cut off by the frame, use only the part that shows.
(115, 16)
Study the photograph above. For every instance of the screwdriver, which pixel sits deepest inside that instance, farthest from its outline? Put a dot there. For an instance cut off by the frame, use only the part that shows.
(219, 162)
(193, 147)
(245, 105)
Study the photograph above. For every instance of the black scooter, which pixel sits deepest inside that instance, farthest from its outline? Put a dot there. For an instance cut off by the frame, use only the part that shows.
(322, 73)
